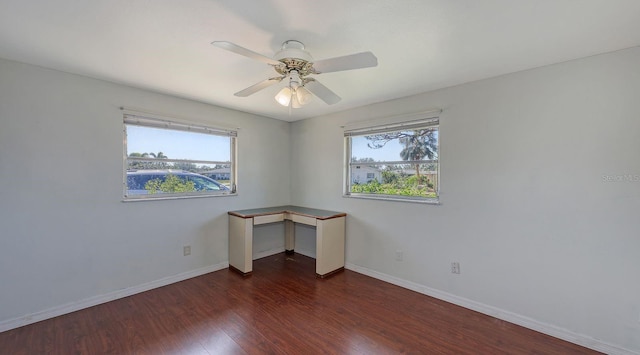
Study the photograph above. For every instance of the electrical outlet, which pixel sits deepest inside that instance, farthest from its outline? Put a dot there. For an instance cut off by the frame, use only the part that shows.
(186, 250)
(455, 267)
(399, 255)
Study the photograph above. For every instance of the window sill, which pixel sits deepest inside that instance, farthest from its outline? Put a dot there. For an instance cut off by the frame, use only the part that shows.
(180, 197)
(426, 201)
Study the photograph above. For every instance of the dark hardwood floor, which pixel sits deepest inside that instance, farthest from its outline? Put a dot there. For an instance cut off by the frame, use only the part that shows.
(281, 309)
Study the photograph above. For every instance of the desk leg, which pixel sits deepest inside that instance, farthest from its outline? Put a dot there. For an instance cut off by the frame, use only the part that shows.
(289, 236)
(330, 246)
(241, 244)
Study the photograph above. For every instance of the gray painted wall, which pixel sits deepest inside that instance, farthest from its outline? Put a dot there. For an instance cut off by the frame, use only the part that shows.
(525, 206)
(66, 236)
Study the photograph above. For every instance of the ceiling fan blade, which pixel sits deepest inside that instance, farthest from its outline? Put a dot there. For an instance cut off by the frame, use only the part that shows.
(245, 52)
(257, 87)
(322, 92)
(347, 62)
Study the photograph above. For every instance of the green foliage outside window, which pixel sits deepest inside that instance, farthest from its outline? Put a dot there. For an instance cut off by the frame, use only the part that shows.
(171, 184)
(395, 184)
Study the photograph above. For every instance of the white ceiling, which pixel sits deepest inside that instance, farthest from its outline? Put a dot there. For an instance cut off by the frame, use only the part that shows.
(421, 45)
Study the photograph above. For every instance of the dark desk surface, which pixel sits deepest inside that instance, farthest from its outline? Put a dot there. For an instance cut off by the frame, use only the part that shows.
(303, 211)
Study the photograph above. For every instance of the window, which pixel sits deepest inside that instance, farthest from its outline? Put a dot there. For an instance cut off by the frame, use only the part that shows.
(166, 159)
(395, 162)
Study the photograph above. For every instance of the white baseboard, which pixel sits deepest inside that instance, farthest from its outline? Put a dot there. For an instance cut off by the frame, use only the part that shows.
(96, 300)
(511, 317)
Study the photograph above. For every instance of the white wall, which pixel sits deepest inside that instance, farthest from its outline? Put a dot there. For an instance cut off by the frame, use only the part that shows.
(541, 237)
(65, 234)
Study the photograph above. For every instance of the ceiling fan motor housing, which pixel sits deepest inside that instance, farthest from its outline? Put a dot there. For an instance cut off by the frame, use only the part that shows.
(293, 56)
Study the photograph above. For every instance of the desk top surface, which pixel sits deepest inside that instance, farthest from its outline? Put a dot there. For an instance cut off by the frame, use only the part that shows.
(304, 211)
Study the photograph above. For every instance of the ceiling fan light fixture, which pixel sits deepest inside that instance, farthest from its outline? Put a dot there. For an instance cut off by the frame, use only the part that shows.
(303, 95)
(284, 96)
(295, 97)
(294, 101)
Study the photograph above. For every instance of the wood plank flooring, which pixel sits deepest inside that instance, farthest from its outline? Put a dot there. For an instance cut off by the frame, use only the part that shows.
(281, 309)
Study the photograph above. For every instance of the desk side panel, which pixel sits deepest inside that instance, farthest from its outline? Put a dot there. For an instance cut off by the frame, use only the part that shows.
(241, 243)
(330, 241)
(289, 236)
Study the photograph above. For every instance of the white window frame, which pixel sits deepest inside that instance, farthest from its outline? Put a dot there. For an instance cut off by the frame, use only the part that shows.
(153, 121)
(426, 120)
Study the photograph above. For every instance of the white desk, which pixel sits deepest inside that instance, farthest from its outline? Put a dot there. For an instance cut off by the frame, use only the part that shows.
(330, 231)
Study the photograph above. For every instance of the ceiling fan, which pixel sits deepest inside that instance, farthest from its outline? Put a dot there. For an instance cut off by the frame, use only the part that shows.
(294, 63)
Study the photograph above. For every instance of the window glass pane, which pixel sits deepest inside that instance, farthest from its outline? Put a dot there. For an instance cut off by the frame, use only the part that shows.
(154, 182)
(376, 165)
(203, 184)
(153, 163)
(391, 146)
(174, 162)
(177, 144)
